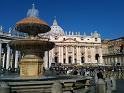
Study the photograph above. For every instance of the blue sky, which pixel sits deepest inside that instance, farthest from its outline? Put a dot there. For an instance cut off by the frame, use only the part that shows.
(105, 16)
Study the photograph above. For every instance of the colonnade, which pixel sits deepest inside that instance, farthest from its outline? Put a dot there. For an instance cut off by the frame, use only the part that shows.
(114, 60)
(9, 58)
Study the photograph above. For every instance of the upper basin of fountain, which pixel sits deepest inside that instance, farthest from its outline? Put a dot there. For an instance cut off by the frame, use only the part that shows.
(31, 44)
(32, 26)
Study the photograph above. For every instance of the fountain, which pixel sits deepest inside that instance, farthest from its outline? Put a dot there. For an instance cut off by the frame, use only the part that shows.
(31, 64)
(33, 48)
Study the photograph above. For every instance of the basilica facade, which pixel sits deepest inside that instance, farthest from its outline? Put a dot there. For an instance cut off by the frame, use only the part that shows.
(72, 48)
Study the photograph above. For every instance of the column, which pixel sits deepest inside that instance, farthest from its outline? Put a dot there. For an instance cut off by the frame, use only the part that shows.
(77, 55)
(50, 57)
(59, 54)
(100, 56)
(0, 54)
(62, 54)
(93, 53)
(16, 59)
(112, 60)
(85, 55)
(109, 61)
(3, 60)
(116, 60)
(66, 54)
(45, 59)
(105, 60)
(73, 61)
(8, 57)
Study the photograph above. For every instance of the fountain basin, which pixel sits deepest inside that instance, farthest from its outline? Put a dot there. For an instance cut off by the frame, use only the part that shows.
(31, 44)
(32, 25)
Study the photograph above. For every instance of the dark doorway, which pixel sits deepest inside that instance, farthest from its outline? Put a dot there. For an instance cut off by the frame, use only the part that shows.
(64, 61)
(97, 57)
(82, 59)
(70, 58)
(56, 59)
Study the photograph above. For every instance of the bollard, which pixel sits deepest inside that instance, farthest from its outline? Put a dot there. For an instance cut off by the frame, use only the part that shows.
(100, 86)
(4, 87)
(108, 85)
(56, 87)
(113, 81)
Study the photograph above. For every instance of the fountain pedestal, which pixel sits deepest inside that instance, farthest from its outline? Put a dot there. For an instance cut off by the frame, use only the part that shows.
(31, 65)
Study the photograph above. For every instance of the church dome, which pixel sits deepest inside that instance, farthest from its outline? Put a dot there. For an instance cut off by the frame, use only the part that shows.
(95, 34)
(56, 30)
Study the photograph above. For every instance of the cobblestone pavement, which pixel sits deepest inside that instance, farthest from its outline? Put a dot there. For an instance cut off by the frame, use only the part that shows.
(120, 88)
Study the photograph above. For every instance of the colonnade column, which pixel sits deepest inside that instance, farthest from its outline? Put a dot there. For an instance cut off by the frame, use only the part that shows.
(46, 59)
(50, 57)
(8, 57)
(112, 61)
(3, 60)
(66, 54)
(116, 60)
(109, 61)
(16, 59)
(105, 60)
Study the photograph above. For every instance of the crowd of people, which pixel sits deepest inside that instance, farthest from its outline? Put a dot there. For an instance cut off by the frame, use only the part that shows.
(86, 71)
(77, 70)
